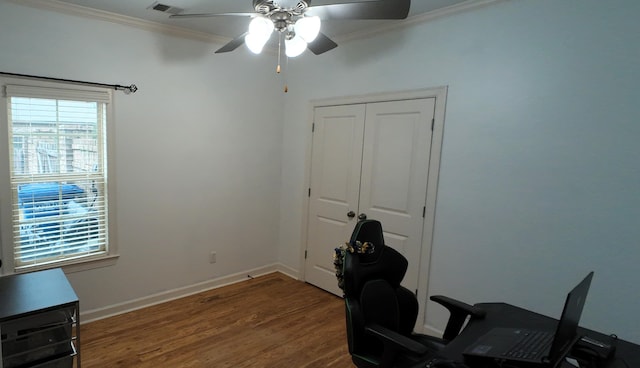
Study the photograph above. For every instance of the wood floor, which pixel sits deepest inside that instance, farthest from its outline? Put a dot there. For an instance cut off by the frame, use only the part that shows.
(270, 321)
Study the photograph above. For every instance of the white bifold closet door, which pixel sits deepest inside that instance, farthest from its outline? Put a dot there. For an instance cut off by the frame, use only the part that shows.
(368, 160)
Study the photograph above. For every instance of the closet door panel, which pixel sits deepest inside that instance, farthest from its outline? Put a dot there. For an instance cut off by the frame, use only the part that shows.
(395, 163)
(336, 160)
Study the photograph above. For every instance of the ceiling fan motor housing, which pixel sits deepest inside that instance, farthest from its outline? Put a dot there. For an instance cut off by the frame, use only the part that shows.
(267, 6)
(263, 6)
(282, 18)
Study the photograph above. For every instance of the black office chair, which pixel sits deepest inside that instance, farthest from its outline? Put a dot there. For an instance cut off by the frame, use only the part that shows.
(380, 313)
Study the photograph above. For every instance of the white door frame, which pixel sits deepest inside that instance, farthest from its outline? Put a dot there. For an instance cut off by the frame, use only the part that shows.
(440, 95)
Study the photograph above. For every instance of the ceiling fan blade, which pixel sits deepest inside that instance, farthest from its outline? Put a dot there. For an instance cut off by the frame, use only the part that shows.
(232, 45)
(381, 9)
(209, 15)
(321, 44)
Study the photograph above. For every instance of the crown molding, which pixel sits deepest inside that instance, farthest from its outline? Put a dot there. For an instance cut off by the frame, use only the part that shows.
(82, 11)
(85, 12)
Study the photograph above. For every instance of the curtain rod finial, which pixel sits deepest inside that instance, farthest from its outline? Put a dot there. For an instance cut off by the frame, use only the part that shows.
(130, 89)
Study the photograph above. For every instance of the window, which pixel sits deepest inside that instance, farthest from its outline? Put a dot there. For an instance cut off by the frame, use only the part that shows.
(58, 174)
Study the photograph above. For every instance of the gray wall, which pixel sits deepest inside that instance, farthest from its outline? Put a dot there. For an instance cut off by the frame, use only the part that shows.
(539, 179)
(197, 149)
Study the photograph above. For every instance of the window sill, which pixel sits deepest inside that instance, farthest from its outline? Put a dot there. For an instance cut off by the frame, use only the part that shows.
(76, 265)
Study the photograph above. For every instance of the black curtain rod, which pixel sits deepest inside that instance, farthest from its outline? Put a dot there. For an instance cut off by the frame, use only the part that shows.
(126, 89)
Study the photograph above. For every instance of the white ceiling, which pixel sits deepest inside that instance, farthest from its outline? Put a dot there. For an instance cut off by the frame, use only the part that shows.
(229, 27)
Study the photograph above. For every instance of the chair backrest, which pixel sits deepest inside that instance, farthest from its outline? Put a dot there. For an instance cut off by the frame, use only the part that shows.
(372, 291)
(383, 263)
(368, 230)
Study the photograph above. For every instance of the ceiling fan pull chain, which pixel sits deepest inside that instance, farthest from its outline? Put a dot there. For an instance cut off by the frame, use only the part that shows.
(286, 86)
(279, 52)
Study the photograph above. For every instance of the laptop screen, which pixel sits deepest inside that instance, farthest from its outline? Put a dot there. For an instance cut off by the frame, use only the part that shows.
(567, 330)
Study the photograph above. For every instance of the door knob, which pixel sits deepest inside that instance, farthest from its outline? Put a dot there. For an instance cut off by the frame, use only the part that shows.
(351, 214)
(362, 216)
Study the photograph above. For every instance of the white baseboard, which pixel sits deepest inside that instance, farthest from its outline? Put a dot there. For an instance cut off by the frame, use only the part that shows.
(293, 273)
(165, 296)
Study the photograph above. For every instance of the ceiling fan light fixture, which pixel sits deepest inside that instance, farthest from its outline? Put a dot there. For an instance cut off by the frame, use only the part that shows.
(308, 28)
(254, 42)
(282, 16)
(260, 30)
(294, 46)
(261, 27)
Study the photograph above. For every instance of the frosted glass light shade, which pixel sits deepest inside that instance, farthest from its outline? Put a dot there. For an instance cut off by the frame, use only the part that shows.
(254, 42)
(308, 28)
(260, 30)
(295, 46)
(261, 26)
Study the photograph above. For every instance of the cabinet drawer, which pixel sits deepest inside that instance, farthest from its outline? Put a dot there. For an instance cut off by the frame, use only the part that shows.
(52, 355)
(17, 327)
(64, 362)
(37, 338)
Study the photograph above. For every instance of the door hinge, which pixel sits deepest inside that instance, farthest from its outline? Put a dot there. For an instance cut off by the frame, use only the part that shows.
(424, 211)
(416, 292)
(305, 254)
(313, 127)
(433, 123)
(309, 194)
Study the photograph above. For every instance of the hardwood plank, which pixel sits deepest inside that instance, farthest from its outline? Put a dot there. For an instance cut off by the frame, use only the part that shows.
(270, 321)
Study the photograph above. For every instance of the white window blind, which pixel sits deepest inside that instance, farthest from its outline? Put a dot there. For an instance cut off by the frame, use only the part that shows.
(58, 173)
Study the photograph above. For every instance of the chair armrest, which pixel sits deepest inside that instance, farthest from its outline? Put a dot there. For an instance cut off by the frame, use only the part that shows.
(455, 305)
(394, 340)
(458, 314)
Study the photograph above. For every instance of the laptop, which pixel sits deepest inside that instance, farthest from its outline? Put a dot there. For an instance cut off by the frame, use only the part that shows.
(534, 348)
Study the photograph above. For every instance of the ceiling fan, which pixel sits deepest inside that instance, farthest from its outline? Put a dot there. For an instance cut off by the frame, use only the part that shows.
(299, 22)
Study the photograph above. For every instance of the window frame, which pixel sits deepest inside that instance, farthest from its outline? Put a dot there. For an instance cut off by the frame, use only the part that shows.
(6, 196)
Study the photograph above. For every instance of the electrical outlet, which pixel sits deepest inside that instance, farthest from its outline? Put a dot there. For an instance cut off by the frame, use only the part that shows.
(212, 257)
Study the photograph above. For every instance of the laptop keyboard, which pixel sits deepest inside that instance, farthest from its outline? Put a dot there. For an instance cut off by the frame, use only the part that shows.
(532, 345)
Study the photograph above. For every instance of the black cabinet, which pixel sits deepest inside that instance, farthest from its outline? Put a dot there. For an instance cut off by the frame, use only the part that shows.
(39, 321)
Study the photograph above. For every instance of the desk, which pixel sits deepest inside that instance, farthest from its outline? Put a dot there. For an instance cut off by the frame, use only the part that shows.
(506, 315)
